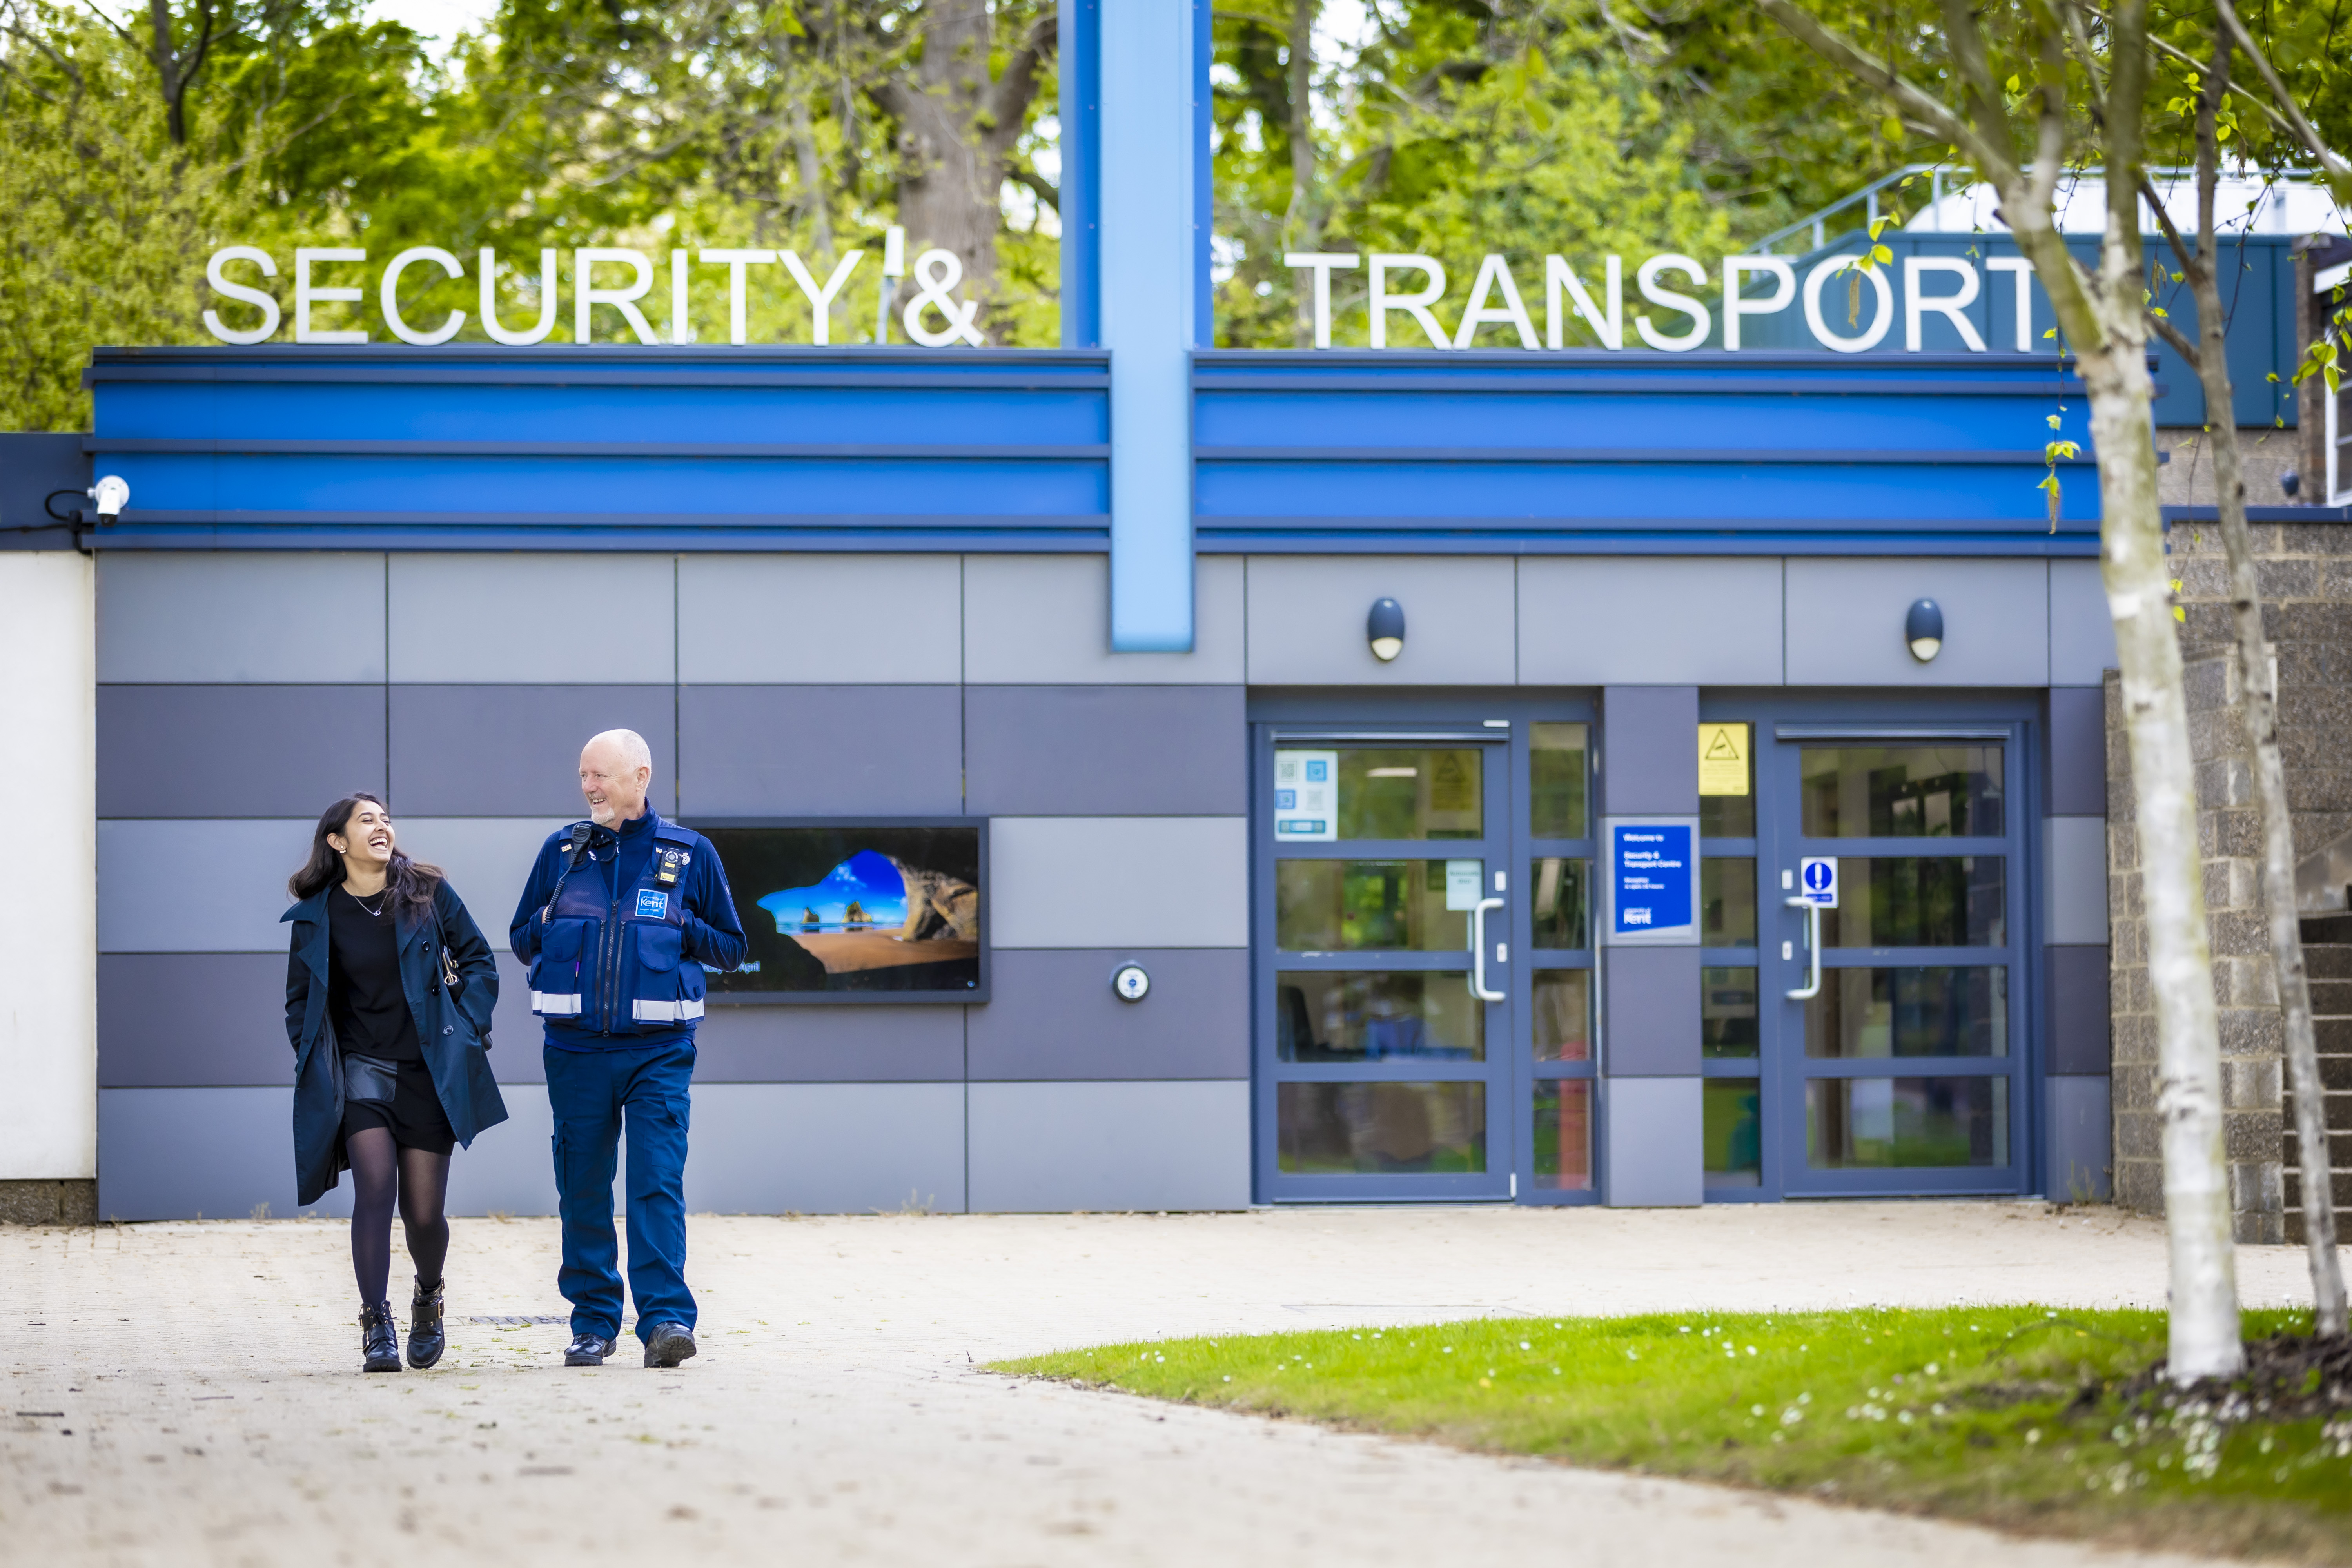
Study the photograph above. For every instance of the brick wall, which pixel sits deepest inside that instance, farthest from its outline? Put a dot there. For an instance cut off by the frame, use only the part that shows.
(2306, 584)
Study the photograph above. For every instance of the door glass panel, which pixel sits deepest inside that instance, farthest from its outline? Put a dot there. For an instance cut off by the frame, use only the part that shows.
(1924, 1012)
(1357, 906)
(1868, 1122)
(1902, 792)
(1563, 1124)
(1556, 780)
(1564, 1022)
(1381, 1129)
(1409, 793)
(1327, 1016)
(1726, 1013)
(1727, 781)
(1727, 901)
(1733, 1123)
(1920, 901)
(1560, 890)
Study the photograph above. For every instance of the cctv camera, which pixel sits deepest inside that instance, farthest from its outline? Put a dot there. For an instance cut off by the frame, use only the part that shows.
(111, 494)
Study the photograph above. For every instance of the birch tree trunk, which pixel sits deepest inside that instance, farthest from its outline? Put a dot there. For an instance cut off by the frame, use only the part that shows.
(2102, 317)
(2258, 682)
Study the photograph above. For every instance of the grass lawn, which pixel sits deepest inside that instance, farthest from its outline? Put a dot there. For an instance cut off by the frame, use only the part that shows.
(2020, 1417)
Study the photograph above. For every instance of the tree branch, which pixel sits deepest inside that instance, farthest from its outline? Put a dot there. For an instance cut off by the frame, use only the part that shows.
(2338, 174)
(1913, 102)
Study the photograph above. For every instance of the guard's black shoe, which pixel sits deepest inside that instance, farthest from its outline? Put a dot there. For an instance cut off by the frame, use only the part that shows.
(426, 1339)
(669, 1344)
(587, 1350)
(379, 1338)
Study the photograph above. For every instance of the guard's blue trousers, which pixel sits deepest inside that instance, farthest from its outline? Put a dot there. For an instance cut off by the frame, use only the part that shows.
(592, 1093)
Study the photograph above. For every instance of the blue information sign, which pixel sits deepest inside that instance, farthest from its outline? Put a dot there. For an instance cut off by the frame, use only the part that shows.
(1653, 881)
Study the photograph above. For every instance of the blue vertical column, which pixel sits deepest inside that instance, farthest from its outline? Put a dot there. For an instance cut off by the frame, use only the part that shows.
(1653, 1106)
(1149, 186)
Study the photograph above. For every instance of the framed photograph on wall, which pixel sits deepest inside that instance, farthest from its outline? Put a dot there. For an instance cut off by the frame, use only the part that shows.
(891, 909)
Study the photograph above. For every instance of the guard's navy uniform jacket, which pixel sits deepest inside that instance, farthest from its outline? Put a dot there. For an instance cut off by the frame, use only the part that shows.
(617, 928)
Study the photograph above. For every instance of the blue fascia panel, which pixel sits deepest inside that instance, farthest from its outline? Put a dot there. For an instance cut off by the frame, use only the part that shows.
(1434, 538)
(551, 487)
(628, 412)
(1662, 494)
(1078, 65)
(660, 534)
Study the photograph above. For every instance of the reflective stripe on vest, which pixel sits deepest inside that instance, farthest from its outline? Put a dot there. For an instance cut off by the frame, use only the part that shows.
(555, 1005)
(665, 1012)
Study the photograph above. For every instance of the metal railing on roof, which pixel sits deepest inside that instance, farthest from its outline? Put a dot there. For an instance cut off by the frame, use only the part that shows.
(1817, 226)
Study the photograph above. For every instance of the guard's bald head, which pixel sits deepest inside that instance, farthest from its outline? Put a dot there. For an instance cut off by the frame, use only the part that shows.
(615, 768)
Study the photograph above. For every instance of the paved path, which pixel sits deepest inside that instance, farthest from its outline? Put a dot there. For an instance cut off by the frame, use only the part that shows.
(206, 1374)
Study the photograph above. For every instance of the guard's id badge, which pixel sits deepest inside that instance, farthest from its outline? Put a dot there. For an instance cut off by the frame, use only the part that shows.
(651, 905)
(672, 861)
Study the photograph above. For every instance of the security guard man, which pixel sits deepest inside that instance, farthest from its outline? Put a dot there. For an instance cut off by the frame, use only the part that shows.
(623, 913)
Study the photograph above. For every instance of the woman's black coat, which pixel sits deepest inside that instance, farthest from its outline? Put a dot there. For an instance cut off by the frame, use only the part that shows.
(453, 1035)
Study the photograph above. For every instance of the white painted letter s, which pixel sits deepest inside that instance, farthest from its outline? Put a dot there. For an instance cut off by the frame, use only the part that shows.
(258, 298)
(1646, 279)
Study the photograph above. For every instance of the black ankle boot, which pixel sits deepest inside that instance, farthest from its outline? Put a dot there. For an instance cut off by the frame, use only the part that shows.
(379, 1340)
(426, 1340)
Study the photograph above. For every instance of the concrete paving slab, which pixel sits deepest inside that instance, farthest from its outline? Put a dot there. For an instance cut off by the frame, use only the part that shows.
(188, 1394)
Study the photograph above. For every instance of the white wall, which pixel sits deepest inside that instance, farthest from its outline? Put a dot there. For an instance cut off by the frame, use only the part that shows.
(48, 923)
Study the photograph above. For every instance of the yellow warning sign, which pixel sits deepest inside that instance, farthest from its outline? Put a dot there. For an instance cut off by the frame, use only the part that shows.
(1722, 759)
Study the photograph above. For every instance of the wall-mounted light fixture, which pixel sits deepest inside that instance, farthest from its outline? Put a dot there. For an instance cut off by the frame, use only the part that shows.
(111, 494)
(1384, 630)
(1923, 628)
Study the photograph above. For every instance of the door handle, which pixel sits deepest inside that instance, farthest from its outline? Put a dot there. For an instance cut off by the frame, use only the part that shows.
(1812, 986)
(1478, 951)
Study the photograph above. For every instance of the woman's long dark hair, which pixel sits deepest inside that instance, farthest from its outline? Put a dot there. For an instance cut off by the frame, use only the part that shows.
(412, 882)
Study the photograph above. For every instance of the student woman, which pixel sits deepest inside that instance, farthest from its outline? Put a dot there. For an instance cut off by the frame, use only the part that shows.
(389, 993)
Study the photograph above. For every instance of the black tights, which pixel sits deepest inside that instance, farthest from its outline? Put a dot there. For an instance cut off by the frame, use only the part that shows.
(382, 1171)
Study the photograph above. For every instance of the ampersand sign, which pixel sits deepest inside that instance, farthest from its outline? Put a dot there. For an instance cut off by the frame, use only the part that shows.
(937, 272)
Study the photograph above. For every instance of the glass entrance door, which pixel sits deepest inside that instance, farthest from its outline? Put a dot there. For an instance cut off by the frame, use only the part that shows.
(1384, 1023)
(1900, 1070)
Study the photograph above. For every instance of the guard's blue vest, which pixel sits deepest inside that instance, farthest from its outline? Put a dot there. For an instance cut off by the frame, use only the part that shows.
(620, 967)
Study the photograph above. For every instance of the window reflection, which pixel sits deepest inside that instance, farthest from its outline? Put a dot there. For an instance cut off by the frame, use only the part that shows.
(1358, 1018)
(1920, 901)
(1726, 1013)
(1558, 889)
(1563, 1124)
(1874, 1122)
(1733, 1131)
(1419, 793)
(1727, 901)
(1923, 1012)
(1557, 777)
(1902, 792)
(1563, 1021)
(1381, 1128)
(1355, 906)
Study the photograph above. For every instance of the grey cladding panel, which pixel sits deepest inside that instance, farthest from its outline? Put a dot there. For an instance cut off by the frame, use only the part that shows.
(184, 1020)
(2078, 751)
(240, 615)
(1598, 620)
(820, 751)
(1845, 622)
(487, 859)
(196, 886)
(2078, 998)
(748, 1043)
(237, 751)
(514, 751)
(189, 1153)
(1053, 1015)
(1307, 620)
(1653, 1022)
(891, 620)
(1041, 1147)
(2082, 631)
(2079, 1162)
(826, 1148)
(511, 619)
(1649, 751)
(1046, 620)
(1139, 881)
(1104, 749)
(1654, 1135)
